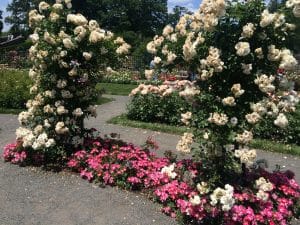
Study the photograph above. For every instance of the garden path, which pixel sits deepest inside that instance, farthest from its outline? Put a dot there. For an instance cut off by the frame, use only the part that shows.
(31, 196)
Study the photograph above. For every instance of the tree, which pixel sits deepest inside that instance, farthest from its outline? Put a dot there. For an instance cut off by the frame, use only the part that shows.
(19, 15)
(1, 23)
(176, 13)
(144, 17)
(136, 18)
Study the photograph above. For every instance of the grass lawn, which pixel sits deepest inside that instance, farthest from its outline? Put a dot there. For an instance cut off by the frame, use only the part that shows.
(101, 101)
(124, 121)
(10, 111)
(257, 143)
(116, 89)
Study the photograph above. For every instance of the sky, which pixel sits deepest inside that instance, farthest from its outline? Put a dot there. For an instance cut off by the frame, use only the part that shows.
(192, 5)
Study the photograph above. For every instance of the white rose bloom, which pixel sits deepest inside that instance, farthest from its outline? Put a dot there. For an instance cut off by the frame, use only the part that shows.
(253, 118)
(123, 49)
(157, 60)
(168, 30)
(171, 57)
(296, 10)
(87, 56)
(54, 17)
(73, 72)
(61, 110)
(93, 25)
(38, 129)
(43, 6)
(185, 118)
(247, 68)
(219, 119)
(58, 6)
(169, 171)
(248, 30)
(93, 110)
(68, 43)
(80, 33)
(229, 101)
(77, 19)
(60, 128)
(245, 137)
(61, 84)
(119, 41)
(77, 112)
(149, 74)
(266, 18)
(50, 143)
(195, 200)
(96, 36)
(242, 48)
(184, 145)
(281, 121)
(69, 5)
(262, 195)
(34, 38)
(151, 48)
(47, 123)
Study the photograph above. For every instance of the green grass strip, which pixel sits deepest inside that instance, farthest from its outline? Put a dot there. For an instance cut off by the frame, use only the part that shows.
(116, 89)
(273, 146)
(104, 100)
(101, 101)
(265, 145)
(124, 121)
(10, 111)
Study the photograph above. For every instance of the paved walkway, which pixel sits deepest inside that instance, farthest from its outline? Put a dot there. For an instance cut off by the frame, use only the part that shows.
(30, 196)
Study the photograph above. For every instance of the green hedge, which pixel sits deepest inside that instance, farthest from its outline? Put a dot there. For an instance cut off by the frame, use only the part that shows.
(14, 88)
(167, 110)
(153, 108)
(290, 135)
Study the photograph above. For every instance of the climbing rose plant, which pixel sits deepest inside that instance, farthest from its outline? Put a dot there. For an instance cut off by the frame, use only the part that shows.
(212, 191)
(237, 50)
(67, 51)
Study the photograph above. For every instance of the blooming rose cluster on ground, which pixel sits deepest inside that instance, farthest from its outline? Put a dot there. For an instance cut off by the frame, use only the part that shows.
(260, 197)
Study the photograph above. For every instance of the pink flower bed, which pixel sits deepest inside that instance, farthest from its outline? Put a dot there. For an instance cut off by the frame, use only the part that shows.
(133, 167)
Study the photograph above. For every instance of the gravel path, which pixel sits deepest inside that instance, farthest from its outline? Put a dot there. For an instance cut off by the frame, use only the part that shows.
(30, 196)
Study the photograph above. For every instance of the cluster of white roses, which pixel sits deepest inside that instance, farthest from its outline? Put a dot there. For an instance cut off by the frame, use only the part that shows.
(169, 171)
(263, 187)
(295, 4)
(212, 64)
(62, 84)
(192, 29)
(219, 119)
(246, 155)
(185, 143)
(224, 196)
(185, 88)
(186, 117)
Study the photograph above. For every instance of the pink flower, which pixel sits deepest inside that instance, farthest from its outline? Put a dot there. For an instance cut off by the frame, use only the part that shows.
(86, 174)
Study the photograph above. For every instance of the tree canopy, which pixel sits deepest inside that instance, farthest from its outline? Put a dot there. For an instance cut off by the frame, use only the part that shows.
(176, 13)
(1, 22)
(142, 17)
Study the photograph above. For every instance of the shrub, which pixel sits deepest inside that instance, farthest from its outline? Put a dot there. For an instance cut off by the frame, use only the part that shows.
(14, 89)
(121, 77)
(154, 108)
(290, 135)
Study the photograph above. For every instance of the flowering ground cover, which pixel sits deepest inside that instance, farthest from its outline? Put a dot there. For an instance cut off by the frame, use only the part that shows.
(236, 49)
(257, 197)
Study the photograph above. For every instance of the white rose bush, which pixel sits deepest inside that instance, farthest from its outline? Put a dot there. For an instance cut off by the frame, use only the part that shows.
(67, 52)
(235, 48)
